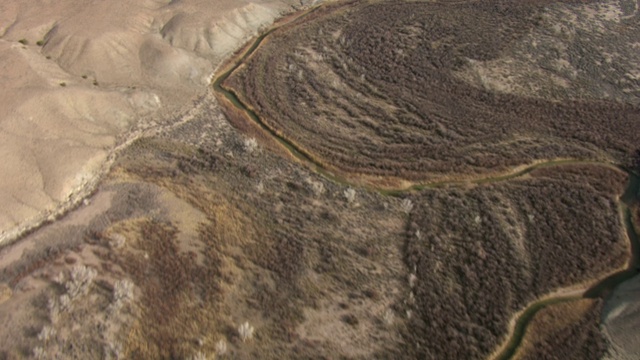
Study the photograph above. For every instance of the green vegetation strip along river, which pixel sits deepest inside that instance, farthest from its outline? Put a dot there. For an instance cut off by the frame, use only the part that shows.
(601, 290)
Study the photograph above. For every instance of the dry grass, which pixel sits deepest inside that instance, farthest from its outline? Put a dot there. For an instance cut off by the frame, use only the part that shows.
(258, 251)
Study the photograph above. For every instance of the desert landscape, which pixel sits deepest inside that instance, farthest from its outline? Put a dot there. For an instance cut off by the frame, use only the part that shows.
(269, 179)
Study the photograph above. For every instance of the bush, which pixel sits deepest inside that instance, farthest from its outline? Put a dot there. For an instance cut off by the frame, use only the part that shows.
(245, 331)
(80, 279)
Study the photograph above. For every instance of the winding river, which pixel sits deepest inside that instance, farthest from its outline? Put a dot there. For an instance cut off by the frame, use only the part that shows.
(602, 289)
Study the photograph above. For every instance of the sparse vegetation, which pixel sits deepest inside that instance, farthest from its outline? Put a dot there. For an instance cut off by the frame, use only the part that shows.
(24, 41)
(80, 279)
(39, 353)
(203, 226)
(406, 206)
(117, 241)
(273, 237)
(388, 317)
(221, 347)
(250, 145)
(245, 330)
(198, 356)
(350, 195)
(113, 351)
(46, 334)
(317, 187)
(123, 293)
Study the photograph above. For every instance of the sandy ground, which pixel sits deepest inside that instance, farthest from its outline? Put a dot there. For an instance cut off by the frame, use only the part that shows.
(79, 78)
(621, 317)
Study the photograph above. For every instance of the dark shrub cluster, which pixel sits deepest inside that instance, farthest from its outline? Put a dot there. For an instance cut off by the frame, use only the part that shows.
(483, 253)
(372, 89)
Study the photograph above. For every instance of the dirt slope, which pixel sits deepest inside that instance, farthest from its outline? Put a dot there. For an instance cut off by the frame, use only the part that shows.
(80, 77)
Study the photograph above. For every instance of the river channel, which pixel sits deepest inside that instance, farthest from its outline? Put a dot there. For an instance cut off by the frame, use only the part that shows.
(602, 289)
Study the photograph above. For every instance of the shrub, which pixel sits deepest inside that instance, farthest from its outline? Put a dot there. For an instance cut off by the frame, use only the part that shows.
(406, 206)
(116, 241)
(378, 133)
(65, 302)
(350, 195)
(250, 145)
(46, 334)
(123, 291)
(23, 41)
(245, 331)
(39, 353)
(316, 187)
(388, 317)
(54, 310)
(198, 356)
(80, 279)
(221, 347)
(113, 351)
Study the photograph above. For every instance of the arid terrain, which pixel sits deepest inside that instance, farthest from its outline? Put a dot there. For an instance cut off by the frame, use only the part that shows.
(83, 79)
(365, 93)
(320, 180)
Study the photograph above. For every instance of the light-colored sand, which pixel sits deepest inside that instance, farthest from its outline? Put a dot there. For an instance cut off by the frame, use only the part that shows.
(103, 71)
(621, 321)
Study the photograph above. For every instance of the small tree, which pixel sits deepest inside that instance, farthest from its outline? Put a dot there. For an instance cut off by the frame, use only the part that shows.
(198, 356)
(80, 278)
(46, 334)
(245, 331)
(406, 206)
(221, 347)
(250, 145)
(350, 195)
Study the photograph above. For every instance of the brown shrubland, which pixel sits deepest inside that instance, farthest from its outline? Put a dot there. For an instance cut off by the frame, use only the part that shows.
(371, 89)
(485, 252)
